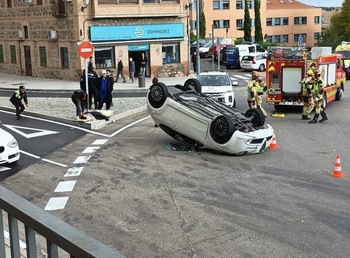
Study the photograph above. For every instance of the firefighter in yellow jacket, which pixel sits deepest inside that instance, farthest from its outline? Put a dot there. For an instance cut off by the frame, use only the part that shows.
(318, 93)
(252, 91)
(261, 89)
(307, 89)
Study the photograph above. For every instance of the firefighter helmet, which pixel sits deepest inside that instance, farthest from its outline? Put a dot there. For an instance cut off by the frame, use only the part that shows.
(317, 73)
(310, 72)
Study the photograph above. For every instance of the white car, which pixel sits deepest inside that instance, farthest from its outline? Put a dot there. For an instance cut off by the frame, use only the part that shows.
(9, 150)
(200, 121)
(204, 50)
(218, 84)
(255, 61)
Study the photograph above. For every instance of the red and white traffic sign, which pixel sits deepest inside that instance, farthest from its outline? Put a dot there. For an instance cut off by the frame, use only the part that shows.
(86, 49)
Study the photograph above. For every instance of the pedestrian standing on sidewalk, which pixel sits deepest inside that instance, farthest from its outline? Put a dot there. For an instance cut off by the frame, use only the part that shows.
(17, 99)
(120, 71)
(131, 69)
(105, 87)
(110, 76)
(143, 63)
(194, 61)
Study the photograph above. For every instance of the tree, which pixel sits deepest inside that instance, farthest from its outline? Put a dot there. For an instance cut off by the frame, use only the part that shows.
(339, 29)
(247, 23)
(202, 25)
(258, 29)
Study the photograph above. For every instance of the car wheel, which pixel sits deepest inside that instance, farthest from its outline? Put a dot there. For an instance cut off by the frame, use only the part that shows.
(193, 84)
(157, 94)
(261, 67)
(221, 129)
(256, 115)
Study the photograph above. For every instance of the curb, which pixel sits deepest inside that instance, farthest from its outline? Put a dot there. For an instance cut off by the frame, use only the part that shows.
(71, 90)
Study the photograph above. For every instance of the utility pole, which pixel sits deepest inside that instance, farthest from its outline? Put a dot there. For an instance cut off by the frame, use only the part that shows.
(197, 31)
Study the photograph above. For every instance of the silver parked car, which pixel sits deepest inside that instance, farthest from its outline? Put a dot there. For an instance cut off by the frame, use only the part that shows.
(193, 118)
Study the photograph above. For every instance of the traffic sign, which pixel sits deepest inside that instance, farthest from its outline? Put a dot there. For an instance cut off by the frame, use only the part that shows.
(86, 49)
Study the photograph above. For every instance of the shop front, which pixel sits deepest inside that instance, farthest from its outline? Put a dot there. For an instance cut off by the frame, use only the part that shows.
(160, 44)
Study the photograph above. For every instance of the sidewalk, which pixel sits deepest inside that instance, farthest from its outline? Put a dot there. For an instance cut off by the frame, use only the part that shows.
(62, 109)
(11, 81)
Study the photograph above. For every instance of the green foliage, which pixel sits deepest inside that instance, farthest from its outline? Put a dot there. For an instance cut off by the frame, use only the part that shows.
(202, 25)
(247, 23)
(258, 29)
(339, 29)
(193, 37)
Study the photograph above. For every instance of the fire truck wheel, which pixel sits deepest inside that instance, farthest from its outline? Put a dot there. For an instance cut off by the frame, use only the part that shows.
(256, 115)
(339, 94)
(324, 102)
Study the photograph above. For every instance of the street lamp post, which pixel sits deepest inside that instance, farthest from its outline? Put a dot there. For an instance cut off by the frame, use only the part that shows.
(197, 31)
(187, 7)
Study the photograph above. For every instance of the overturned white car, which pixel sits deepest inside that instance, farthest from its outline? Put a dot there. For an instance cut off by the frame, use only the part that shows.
(193, 118)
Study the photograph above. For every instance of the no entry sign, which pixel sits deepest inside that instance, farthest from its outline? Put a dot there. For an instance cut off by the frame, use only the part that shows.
(86, 49)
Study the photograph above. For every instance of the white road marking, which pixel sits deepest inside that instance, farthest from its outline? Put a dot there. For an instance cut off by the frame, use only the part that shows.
(100, 142)
(241, 77)
(40, 132)
(56, 203)
(90, 150)
(81, 159)
(65, 186)
(2, 168)
(75, 171)
(46, 160)
(129, 125)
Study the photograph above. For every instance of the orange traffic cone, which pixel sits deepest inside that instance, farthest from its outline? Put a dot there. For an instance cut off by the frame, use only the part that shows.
(274, 145)
(337, 168)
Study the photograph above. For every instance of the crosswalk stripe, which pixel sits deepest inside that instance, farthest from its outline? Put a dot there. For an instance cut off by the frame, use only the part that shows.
(241, 77)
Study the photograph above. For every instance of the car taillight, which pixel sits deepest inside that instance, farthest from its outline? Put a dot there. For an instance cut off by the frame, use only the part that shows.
(254, 60)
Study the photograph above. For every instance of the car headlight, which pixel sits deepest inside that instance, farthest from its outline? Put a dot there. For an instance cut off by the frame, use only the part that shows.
(12, 144)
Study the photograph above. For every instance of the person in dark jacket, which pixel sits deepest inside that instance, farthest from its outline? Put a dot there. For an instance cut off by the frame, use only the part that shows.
(81, 101)
(92, 82)
(120, 71)
(105, 88)
(17, 99)
(194, 61)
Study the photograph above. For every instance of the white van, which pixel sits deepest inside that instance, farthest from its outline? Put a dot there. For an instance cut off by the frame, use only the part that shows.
(246, 49)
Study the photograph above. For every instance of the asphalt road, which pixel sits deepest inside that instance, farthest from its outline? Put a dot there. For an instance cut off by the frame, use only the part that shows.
(139, 196)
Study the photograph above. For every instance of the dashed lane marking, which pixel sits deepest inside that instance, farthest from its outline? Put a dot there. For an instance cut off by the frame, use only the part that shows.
(65, 186)
(56, 203)
(89, 150)
(81, 159)
(99, 142)
(74, 171)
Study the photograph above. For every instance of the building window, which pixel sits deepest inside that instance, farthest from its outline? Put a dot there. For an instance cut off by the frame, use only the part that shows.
(26, 34)
(250, 4)
(9, 3)
(39, 2)
(269, 22)
(64, 57)
(269, 39)
(104, 57)
(124, 1)
(317, 36)
(317, 19)
(13, 54)
(216, 24)
(296, 37)
(284, 38)
(239, 23)
(226, 24)
(277, 39)
(171, 53)
(42, 53)
(216, 5)
(1, 54)
(226, 5)
(277, 21)
(300, 20)
(285, 21)
(239, 5)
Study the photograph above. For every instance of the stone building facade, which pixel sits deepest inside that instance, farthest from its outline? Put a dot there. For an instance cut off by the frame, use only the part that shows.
(40, 38)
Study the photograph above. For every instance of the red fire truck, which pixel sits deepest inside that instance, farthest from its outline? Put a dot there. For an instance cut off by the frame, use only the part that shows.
(286, 69)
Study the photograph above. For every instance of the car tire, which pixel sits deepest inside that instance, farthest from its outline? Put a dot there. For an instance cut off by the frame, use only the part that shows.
(157, 95)
(261, 67)
(221, 129)
(256, 115)
(193, 84)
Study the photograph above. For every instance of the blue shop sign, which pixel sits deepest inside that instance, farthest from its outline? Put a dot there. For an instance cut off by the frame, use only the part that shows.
(137, 32)
(138, 47)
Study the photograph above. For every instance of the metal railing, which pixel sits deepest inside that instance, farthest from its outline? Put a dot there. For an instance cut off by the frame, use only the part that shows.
(58, 234)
